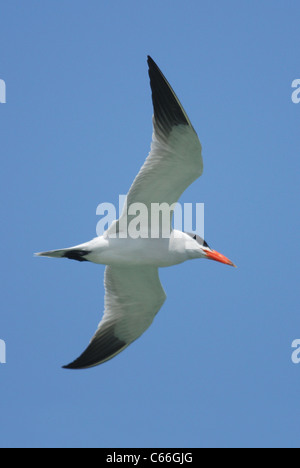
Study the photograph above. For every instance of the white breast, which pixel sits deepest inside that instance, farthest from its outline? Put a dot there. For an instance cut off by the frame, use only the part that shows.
(152, 252)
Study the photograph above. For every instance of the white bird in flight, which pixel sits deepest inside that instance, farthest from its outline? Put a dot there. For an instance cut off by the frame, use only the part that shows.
(133, 292)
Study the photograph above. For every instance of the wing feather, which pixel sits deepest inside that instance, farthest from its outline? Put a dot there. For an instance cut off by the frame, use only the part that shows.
(175, 159)
(133, 296)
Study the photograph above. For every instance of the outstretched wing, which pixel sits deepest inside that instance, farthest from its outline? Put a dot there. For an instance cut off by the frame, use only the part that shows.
(175, 159)
(133, 296)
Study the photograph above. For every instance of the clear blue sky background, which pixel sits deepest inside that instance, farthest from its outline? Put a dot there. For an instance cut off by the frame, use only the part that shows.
(215, 368)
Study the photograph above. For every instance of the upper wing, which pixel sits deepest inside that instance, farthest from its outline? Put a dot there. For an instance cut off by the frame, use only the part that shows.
(133, 296)
(175, 159)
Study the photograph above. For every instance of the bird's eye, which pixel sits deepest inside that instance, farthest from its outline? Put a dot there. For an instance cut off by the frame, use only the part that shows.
(205, 244)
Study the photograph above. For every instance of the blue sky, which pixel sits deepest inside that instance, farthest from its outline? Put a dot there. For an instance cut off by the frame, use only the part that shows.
(215, 368)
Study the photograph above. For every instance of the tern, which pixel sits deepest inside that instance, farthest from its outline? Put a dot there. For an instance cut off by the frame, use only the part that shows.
(133, 291)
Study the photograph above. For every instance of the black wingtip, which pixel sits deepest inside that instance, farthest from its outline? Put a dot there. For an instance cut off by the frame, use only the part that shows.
(150, 60)
(152, 65)
(104, 346)
(75, 366)
(71, 367)
(168, 111)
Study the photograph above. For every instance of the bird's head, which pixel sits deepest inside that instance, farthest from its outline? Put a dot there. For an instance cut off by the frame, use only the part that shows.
(200, 249)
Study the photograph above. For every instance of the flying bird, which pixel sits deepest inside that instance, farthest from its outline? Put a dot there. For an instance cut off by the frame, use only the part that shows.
(133, 291)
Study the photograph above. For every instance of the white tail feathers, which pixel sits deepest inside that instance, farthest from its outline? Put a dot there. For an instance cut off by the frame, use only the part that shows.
(52, 253)
(73, 253)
